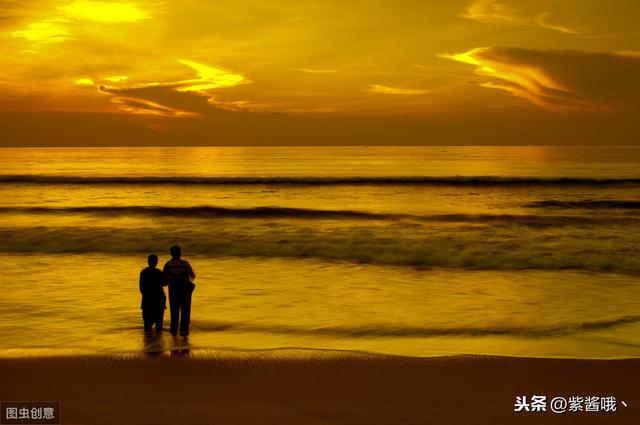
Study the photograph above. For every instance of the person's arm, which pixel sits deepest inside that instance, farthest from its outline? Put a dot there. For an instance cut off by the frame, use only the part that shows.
(165, 273)
(141, 282)
(165, 279)
(191, 273)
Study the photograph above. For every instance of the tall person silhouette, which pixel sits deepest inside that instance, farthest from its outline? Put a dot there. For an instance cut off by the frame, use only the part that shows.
(154, 300)
(180, 276)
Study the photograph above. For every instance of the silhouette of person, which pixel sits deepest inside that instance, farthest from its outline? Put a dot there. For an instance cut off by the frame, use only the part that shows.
(154, 300)
(180, 276)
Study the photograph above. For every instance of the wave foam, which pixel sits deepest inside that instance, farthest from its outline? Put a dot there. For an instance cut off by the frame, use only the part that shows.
(587, 204)
(306, 213)
(318, 180)
(401, 244)
(385, 331)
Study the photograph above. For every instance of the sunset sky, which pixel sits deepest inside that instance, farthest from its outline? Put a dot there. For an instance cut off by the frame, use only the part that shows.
(249, 72)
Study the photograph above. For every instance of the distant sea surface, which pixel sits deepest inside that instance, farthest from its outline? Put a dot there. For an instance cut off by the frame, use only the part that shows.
(419, 251)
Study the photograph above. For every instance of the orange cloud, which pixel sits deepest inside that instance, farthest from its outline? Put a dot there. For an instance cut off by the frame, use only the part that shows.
(544, 21)
(181, 98)
(492, 12)
(61, 22)
(104, 11)
(147, 107)
(49, 31)
(319, 70)
(498, 12)
(209, 78)
(559, 80)
(377, 88)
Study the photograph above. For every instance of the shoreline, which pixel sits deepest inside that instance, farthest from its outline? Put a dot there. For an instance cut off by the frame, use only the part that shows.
(291, 353)
(316, 387)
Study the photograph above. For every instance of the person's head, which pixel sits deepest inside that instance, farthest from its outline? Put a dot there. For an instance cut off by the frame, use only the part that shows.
(176, 252)
(152, 260)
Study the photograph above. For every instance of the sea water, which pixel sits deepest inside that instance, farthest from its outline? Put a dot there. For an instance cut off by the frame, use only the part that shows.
(419, 251)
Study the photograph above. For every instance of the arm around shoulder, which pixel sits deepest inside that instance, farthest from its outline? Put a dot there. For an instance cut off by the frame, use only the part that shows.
(191, 272)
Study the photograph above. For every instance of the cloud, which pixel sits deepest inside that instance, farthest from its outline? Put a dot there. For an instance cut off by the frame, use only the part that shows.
(14, 10)
(318, 71)
(49, 31)
(629, 53)
(209, 78)
(157, 100)
(492, 12)
(116, 78)
(303, 56)
(180, 98)
(543, 21)
(498, 12)
(377, 88)
(62, 21)
(560, 79)
(84, 81)
(105, 11)
(147, 107)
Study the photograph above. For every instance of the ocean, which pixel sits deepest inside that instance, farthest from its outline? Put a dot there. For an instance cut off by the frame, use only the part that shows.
(413, 251)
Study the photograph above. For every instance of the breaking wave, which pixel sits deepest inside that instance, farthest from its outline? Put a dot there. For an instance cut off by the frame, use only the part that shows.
(587, 204)
(385, 331)
(318, 181)
(305, 213)
(401, 244)
(205, 212)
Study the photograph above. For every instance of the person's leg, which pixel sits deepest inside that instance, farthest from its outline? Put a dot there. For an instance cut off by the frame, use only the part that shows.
(174, 307)
(185, 313)
(160, 319)
(147, 319)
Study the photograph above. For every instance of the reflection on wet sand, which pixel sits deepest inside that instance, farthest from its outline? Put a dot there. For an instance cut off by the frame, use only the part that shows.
(154, 345)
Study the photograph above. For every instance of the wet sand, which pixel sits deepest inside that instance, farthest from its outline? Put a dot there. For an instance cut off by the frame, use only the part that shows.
(311, 387)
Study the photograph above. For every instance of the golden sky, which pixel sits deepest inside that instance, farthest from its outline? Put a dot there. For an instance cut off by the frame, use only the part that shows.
(192, 72)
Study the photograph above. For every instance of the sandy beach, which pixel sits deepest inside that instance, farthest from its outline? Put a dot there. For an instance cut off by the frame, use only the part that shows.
(311, 387)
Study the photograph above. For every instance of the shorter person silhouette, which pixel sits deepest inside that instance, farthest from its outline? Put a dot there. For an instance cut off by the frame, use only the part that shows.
(180, 276)
(154, 301)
